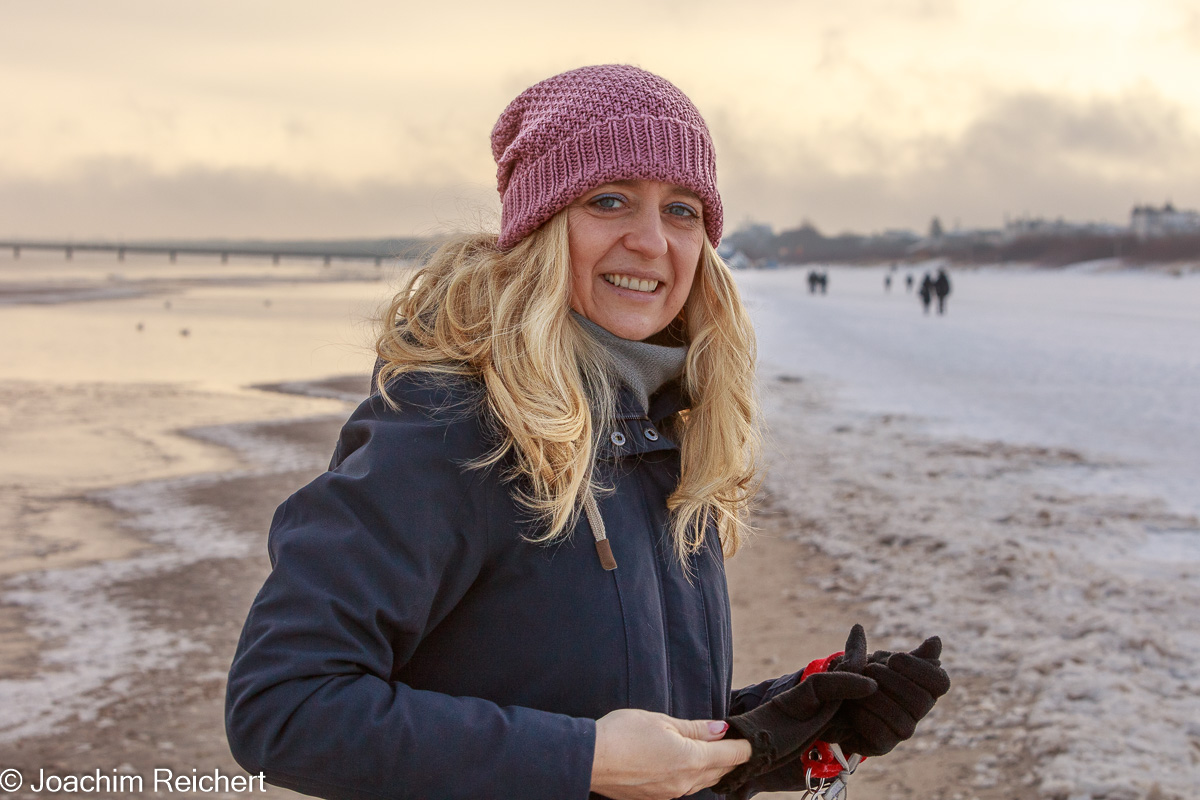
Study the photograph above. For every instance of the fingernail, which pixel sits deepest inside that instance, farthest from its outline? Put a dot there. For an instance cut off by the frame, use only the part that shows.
(718, 727)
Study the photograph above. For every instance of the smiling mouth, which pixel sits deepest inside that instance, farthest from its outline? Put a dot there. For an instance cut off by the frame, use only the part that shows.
(636, 284)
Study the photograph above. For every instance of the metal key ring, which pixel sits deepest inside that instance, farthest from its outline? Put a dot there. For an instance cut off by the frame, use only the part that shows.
(817, 786)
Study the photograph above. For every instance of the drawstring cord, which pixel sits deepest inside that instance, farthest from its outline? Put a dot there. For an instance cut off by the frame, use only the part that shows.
(603, 548)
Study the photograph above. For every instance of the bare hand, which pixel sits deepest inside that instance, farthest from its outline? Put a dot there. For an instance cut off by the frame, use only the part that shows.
(641, 755)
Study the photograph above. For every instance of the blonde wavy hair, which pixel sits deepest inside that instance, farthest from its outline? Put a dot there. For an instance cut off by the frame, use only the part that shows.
(503, 318)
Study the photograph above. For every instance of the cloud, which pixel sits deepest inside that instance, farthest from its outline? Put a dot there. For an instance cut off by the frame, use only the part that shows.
(1189, 28)
(1026, 153)
(1136, 134)
(126, 198)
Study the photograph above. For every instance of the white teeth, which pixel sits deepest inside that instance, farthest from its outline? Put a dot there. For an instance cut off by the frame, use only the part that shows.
(626, 282)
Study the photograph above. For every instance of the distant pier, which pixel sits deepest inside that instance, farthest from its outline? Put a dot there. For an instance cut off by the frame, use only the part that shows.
(377, 251)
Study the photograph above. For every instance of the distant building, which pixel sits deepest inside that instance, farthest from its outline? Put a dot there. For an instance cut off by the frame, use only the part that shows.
(1148, 222)
(897, 235)
(1024, 227)
(962, 239)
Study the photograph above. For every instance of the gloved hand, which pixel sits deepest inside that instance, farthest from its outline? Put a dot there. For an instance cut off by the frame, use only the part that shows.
(783, 726)
(909, 685)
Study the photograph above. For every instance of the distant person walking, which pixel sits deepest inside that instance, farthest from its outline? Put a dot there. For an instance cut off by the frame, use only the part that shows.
(926, 292)
(887, 282)
(817, 282)
(941, 286)
(908, 282)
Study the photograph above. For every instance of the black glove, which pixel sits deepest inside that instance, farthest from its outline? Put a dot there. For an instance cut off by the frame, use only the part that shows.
(879, 657)
(782, 727)
(909, 685)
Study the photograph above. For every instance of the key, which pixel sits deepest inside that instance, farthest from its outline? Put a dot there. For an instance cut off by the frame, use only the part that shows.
(837, 789)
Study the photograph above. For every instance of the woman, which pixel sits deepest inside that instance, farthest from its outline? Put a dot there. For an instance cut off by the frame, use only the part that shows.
(510, 583)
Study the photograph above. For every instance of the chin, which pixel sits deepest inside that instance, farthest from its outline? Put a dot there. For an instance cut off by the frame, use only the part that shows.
(635, 324)
(635, 331)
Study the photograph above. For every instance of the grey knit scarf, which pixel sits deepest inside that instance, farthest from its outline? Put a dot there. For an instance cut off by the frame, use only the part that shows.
(643, 367)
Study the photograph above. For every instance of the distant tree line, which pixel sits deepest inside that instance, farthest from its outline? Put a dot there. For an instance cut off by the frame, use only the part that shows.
(1056, 250)
(805, 244)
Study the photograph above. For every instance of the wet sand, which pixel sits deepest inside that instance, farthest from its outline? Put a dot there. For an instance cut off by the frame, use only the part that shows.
(135, 510)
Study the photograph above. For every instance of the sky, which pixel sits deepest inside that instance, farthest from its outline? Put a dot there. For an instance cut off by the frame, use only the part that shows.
(271, 118)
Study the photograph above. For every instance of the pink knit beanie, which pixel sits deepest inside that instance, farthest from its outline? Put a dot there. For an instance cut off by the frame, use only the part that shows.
(575, 131)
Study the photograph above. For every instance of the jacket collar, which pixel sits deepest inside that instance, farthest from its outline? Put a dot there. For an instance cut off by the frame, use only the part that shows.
(666, 402)
(634, 432)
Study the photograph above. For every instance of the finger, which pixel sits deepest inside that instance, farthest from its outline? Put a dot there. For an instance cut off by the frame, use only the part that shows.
(879, 709)
(874, 736)
(727, 754)
(732, 781)
(877, 741)
(930, 649)
(704, 730)
(856, 650)
(929, 676)
(830, 686)
(800, 701)
(910, 696)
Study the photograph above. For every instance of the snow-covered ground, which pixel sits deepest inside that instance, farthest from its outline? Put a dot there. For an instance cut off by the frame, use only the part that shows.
(1107, 363)
(1029, 489)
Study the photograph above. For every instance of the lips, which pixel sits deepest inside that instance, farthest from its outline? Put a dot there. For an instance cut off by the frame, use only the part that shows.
(629, 282)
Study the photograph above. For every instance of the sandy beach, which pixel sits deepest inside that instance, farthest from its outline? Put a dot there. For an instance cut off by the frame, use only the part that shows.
(151, 421)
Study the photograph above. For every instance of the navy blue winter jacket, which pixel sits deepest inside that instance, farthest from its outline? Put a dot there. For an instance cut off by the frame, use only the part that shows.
(409, 643)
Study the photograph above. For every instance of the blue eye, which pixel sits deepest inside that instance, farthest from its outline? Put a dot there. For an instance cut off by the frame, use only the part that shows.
(682, 210)
(610, 201)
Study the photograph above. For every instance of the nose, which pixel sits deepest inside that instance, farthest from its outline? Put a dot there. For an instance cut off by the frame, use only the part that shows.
(646, 235)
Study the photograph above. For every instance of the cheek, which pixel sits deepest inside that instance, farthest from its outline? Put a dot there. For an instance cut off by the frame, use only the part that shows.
(587, 240)
(580, 267)
(580, 288)
(691, 284)
(689, 266)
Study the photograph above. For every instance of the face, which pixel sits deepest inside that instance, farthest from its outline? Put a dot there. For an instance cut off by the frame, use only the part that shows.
(635, 246)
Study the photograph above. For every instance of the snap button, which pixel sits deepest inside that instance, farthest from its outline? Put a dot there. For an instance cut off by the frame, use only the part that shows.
(651, 434)
(617, 438)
